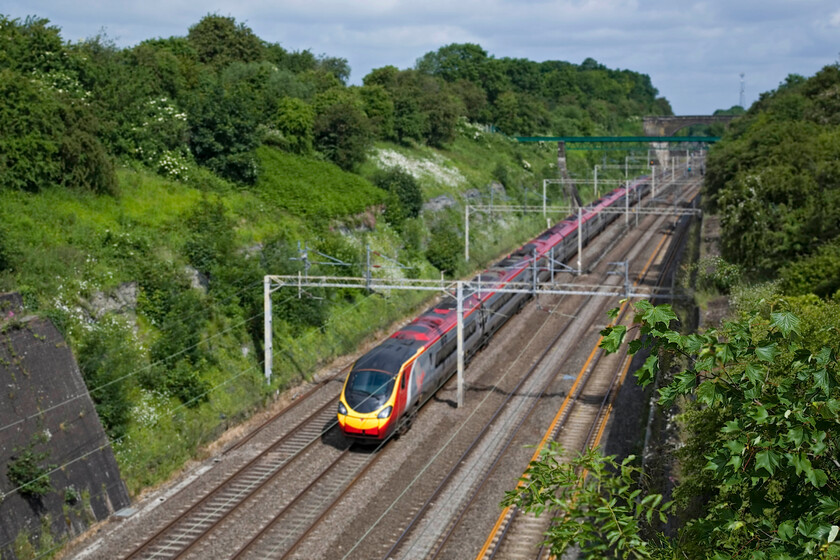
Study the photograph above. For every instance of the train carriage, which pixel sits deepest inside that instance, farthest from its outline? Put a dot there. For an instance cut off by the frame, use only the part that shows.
(386, 386)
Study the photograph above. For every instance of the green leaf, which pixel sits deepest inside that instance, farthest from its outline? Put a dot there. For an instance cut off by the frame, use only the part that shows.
(759, 414)
(735, 446)
(755, 372)
(660, 314)
(613, 313)
(613, 337)
(731, 426)
(786, 530)
(693, 343)
(800, 462)
(823, 356)
(725, 353)
(767, 353)
(832, 534)
(821, 377)
(706, 393)
(767, 460)
(785, 321)
(817, 477)
(796, 435)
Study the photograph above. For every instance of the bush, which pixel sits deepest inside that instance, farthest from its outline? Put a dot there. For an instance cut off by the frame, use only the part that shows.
(714, 273)
(818, 274)
(446, 250)
(295, 120)
(25, 469)
(407, 198)
(342, 133)
(106, 355)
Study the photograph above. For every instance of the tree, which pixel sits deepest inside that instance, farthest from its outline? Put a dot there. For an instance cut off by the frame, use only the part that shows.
(342, 133)
(764, 429)
(219, 40)
(223, 131)
(295, 120)
(408, 198)
(457, 61)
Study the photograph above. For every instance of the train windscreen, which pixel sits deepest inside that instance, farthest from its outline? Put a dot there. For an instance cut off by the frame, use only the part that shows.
(368, 390)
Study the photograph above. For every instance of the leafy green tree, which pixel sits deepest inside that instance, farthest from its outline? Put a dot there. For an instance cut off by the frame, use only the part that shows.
(32, 129)
(219, 40)
(223, 131)
(336, 66)
(407, 200)
(342, 133)
(818, 273)
(445, 250)
(31, 45)
(457, 61)
(379, 108)
(295, 119)
(764, 419)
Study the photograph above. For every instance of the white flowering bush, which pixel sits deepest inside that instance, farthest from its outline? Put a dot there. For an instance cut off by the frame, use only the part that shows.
(159, 140)
(174, 165)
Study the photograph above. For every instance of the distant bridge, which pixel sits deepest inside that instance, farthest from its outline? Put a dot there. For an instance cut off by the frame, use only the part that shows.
(667, 126)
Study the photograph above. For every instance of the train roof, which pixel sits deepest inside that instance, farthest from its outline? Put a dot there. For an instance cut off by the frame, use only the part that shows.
(389, 356)
(440, 318)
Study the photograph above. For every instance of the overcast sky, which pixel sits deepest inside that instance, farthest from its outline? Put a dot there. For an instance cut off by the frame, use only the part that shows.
(692, 50)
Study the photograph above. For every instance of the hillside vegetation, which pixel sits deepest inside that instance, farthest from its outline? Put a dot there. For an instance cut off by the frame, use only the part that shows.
(145, 191)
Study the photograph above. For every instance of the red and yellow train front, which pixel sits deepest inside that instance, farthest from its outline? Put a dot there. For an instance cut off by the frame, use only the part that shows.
(369, 405)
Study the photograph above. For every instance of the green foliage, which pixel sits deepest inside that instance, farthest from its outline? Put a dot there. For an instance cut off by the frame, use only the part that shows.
(407, 200)
(314, 189)
(107, 355)
(223, 131)
(32, 130)
(817, 274)
(342, 133)
(211, 240)
(27, 472)
(219, 40)
(763, 420)
(295, 120)
(774, 175)
(602, 512)
(446, 250)
(714, 273)
(379, 108)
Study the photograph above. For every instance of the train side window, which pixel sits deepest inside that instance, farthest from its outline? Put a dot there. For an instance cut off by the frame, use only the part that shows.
(446, 350)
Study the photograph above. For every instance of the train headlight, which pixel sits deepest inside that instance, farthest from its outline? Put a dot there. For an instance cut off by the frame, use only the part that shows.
(386, 412)
(341, 408)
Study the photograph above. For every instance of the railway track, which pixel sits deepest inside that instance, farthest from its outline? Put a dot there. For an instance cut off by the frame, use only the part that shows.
(180, 534)
(300, 514)
(518, 535)
(408, 547)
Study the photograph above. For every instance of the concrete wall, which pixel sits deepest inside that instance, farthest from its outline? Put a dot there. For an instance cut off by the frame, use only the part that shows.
(43, 398)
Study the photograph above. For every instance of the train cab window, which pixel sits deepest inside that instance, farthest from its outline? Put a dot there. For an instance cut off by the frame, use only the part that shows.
(367, 390)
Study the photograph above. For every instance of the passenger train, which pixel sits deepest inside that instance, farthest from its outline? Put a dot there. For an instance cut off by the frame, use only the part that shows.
(388, 385)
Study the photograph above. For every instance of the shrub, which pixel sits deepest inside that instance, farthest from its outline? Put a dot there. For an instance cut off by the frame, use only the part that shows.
(406, 198)
(26, 471)
(818, 274)
(295, 119)
(446, 250)
(106, 355)
(342, 133)
(714, 273)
